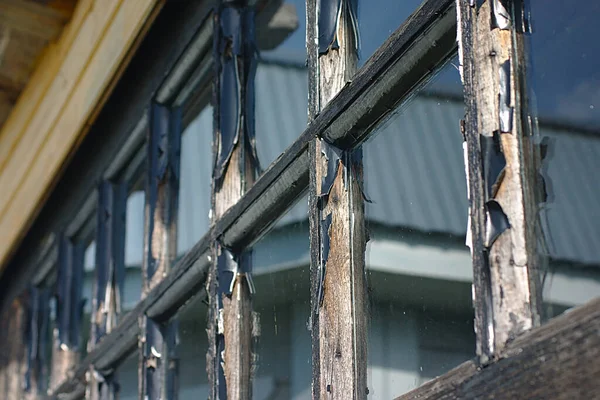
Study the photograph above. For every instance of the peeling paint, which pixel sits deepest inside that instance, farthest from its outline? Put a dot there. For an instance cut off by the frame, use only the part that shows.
(330, 12)
(237, 54)
(227, 269)
(505, 111)
(546, 148)
(234, 168)
(496, 222)
(333, 157)
(325, 244)
(494, 164)
(501, 17)
(355, 160)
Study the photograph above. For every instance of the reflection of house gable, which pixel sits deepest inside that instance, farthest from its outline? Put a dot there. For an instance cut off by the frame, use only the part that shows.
(414, 175)
(414, 169)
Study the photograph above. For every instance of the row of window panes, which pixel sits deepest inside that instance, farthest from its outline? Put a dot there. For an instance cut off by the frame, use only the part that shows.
(419, 270)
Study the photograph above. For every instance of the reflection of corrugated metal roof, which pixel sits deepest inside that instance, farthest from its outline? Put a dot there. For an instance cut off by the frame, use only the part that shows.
(414, 170)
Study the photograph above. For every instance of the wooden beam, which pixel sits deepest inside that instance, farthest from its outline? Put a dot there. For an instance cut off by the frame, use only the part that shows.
(158, 364)
(61, 100)
(232, 327)
(559, 360)
(35, 19)
(338, 240)
(501, 173)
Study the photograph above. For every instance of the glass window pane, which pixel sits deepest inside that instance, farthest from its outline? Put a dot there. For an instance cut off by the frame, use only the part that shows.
(419, 269)
(134, 248)
(378, 19)
(281, 114)
(195, 180)
(566, 92)
(281, 262)
(193, 344)
(89, 269)
(127, 377)
(282, 282)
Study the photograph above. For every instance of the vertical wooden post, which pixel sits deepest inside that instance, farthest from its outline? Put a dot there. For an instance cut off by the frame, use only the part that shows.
(158, 365)
(109, 278)
(501, 171)
(37, 339)
(13, 350)
(232, 326)
(69, 309)
(337, 226)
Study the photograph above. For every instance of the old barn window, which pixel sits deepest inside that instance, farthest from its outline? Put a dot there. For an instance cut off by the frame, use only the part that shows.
(344, 206)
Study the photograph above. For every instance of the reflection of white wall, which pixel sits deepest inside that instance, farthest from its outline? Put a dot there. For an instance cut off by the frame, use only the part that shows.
(401, 354)
(421, 314)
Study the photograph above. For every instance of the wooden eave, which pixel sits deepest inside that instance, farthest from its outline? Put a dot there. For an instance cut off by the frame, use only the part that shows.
(72, 75)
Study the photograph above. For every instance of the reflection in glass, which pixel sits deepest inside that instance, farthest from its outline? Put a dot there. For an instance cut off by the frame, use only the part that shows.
(193, 344)
(377, 19)
(127, 377)
(281, 275)
(281, 107)
(419, 269)
(89, 268)
(281, 278)
(134, 248)
(566, 92)
(195, 180)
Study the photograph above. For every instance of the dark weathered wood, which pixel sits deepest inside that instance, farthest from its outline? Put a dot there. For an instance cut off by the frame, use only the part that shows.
(158, 364)
(13, 350)
(230, 357)
(37, 342)
(559, 360)
(109, 279)
(69, 309)
(338, 284)
(506, 279)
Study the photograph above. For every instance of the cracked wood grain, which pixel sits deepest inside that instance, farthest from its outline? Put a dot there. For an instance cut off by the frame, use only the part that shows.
(506, 278)
(232, 330)
(158, 364)
(338, 285)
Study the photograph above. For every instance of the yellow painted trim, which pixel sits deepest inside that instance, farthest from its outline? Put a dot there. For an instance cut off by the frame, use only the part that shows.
(53, 114)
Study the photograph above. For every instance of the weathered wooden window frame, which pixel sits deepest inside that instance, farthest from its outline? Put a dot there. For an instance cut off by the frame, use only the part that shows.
(402, 64)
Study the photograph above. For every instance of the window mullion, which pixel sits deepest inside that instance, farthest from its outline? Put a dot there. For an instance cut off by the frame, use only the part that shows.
(501, 171)
(37, 338)
(69, 309)
(158, 364)
(232, 324)
(338, 284)
(109, 278)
